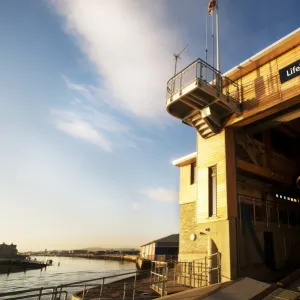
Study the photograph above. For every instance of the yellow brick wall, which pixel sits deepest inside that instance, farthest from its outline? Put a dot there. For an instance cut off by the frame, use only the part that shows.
(211, 152)
(219, 232)
(194, 215)
(187, 192)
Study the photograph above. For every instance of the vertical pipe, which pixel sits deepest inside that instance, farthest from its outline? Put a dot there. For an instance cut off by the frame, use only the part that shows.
(213, 45)
(217, 36)
(205, 46)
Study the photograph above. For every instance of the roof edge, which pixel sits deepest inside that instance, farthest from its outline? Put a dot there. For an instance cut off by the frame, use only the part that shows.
(262, 53)
(185, 160)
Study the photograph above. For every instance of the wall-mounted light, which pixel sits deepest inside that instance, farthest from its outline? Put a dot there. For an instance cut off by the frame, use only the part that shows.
(193, 237)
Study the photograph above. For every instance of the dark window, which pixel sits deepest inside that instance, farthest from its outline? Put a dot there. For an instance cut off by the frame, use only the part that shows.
(193, 173)
(212, 195)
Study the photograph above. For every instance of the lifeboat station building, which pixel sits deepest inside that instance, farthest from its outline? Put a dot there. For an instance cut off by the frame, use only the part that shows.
(240, 191)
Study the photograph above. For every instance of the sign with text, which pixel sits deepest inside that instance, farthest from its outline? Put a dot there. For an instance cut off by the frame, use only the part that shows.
(289, 72)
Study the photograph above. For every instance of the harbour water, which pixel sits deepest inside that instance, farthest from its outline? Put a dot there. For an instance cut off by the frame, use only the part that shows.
(63, 270)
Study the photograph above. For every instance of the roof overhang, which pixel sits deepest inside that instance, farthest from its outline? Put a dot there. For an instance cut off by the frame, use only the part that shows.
(271, 52)
(185, 160)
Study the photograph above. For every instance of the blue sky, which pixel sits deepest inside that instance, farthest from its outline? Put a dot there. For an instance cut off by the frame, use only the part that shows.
(86, 144)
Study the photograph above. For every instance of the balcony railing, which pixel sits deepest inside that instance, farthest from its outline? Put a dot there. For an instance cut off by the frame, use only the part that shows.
(271, 212)
(204, 73)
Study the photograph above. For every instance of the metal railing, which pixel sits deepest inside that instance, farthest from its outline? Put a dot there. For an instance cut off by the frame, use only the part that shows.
(159, 277)
(270, 211)
(200, 272)
(101, 288)
(200, 71)
(52, 293)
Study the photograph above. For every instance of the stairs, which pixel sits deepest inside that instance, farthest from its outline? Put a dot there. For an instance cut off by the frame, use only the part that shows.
(204, 126)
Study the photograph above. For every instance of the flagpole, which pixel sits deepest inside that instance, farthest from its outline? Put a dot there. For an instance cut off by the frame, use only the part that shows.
(217, 36)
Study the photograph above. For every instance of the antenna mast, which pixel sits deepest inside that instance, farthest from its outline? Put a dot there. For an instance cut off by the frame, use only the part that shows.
(217, 36)
(177, 55)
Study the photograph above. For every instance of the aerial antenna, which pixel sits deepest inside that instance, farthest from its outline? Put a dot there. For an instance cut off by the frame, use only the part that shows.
(213, 5)
(177, 55)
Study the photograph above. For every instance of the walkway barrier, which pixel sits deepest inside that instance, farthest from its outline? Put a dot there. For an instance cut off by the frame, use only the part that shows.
(135, 285)
(199, 273)
(159, 277)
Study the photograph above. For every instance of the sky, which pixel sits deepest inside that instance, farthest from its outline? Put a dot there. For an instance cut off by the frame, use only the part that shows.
(86, 142)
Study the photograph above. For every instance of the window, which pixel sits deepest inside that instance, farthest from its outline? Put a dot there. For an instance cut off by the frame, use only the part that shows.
(193, 173)
(212, 192)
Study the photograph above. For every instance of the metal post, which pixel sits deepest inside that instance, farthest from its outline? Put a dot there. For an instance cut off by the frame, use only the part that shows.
(194, 273)
(175, 267)
(54, 292)
(40, 293)
(134, 286)
(60, 290)
(101, 289)
(217, 36)
(163, 283)
(190, 271)
(205, 270)
(124, 293)
(83, 292)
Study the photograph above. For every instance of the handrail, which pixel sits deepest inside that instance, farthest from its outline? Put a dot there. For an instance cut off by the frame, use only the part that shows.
(195, 61)
(57, 291)
(203, 71)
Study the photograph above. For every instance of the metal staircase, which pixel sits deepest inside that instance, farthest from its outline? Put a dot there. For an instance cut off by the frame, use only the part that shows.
(201, 125)
(202, 98)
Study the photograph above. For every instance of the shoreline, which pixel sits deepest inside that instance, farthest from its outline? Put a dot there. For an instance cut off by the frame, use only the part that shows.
(131, 258)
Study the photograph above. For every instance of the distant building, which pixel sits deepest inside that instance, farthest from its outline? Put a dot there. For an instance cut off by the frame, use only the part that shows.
(131, 252)
(8, 251)
(64, 252)
(79, 251)
(161, 249)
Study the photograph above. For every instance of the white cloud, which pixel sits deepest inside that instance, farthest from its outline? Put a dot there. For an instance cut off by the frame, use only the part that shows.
(73, 125)
(161, 194)
(130, 46)
(87, 92)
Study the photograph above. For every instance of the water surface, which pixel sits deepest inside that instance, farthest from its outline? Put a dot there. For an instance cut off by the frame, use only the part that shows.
(71, 269)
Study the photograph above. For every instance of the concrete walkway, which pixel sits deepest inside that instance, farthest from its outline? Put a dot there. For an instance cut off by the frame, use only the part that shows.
(242, 289)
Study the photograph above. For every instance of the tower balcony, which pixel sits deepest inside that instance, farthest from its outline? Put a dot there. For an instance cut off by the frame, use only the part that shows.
(202, 98)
